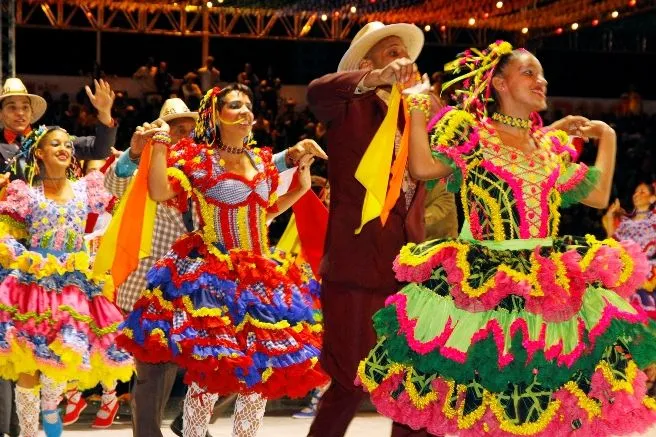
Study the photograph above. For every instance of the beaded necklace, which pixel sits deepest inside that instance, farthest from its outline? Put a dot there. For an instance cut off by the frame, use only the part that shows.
(231, 149)
(508, 120)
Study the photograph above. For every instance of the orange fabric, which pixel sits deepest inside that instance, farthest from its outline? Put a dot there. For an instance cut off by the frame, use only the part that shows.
(126, 258)
(398, 168)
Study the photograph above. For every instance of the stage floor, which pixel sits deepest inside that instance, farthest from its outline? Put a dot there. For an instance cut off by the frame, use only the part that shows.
(365, 425)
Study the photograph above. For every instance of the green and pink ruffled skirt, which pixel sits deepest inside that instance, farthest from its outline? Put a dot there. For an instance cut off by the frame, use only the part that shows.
(515, 338)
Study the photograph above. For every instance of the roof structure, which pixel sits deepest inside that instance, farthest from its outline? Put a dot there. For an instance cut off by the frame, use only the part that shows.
(326, 19)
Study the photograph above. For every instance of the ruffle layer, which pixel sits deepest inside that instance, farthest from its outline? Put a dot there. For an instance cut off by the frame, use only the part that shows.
(55, 318)
(430, 322)
(612, 403)
(551, 280)
(68, 355)
(501, 346)
(50, 272)
(242, 315)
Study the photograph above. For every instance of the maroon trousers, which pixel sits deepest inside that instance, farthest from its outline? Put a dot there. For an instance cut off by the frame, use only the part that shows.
(348, 337)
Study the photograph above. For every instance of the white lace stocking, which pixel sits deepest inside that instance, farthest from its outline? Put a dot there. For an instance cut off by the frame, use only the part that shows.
(51, 393)
(27, 409)
(249, 413)
(198, 406)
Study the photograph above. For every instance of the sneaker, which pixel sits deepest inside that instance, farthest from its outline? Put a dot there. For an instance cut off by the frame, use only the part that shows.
(311, 410)
(106, 414)
(75, 405)
(306, 413)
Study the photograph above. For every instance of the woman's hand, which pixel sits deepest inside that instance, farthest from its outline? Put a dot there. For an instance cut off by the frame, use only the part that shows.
(304, 176)
(423, 87)
(615, 209)
(571, 124)
(595, 129)
(302, 148)
(143, 133)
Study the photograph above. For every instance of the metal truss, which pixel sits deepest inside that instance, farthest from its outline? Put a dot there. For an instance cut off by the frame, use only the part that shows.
(185, 19)
(181, 20)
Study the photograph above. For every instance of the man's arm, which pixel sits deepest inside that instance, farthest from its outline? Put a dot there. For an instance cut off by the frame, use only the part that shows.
(119, 175)
(98, 147)
(328, 95)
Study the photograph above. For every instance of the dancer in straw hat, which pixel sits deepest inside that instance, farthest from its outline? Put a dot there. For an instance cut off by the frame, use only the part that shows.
(369, 219)
(19, 109)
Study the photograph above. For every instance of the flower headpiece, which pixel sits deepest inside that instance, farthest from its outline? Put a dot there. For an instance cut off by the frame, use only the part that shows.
(26, 154)
(478, 67)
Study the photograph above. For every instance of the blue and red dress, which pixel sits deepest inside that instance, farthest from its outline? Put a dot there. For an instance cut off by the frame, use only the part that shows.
(220, 304)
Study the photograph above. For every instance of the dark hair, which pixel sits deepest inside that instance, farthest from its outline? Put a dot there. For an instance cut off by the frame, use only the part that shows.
(207, 129)
(239, 87)
(652, 191)
(495, 104)
(34, 141)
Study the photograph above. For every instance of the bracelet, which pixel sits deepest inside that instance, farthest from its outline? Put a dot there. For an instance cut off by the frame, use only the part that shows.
(419, 102)
(162, 137)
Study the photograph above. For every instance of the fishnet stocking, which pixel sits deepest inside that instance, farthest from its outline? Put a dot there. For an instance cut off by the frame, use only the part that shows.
(249, 412)
(27, 409)
(51, 393)
(198, 406)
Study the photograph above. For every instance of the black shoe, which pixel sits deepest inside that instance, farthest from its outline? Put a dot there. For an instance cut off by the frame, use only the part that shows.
(176, 426)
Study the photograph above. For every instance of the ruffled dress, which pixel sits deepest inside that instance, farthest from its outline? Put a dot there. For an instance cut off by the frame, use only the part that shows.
(236, 316)
(55, 315)
(643, 232)
(510, 329)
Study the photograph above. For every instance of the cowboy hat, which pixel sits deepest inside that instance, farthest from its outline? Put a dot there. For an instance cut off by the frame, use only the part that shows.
(371, 33)
(14, 87)
(176, 108)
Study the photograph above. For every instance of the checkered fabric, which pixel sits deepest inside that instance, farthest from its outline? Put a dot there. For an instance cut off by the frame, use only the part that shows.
(168, 227)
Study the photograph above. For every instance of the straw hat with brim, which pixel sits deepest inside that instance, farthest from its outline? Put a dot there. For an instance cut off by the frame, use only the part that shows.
(371, 33)
(176, 108)
(15, 87)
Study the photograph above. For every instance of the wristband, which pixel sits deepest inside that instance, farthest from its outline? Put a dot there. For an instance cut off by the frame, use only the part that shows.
(162, 137)
(419, 102)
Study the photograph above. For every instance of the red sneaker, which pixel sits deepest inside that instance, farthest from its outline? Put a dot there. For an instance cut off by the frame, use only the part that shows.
(75, 404)
(106, 414)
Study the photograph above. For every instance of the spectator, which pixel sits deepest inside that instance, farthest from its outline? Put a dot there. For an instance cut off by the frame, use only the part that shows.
(190, 91)
(163, 81)
(209, 75)
(145, 77)
(288, 124)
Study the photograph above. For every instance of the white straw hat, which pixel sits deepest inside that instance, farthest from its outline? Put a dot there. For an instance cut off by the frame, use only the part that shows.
(15, 87)
(176, 108)
(371, 33)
